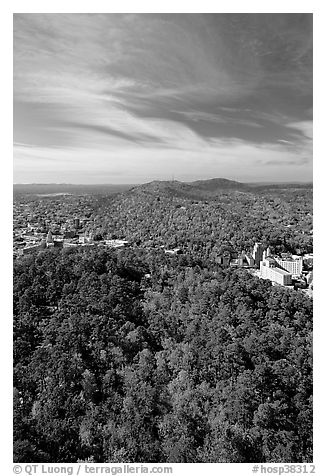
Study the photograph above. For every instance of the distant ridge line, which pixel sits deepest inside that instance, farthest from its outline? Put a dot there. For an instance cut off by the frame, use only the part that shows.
(143, 183)
(209, 186)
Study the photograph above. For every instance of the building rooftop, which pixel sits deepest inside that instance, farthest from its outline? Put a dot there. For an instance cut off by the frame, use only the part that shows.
(281, 271)
(290, 258)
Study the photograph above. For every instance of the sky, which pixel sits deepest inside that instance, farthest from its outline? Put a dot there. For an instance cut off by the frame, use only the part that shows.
(130, 98)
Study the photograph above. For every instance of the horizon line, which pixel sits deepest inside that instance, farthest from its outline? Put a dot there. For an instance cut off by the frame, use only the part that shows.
(156, 180)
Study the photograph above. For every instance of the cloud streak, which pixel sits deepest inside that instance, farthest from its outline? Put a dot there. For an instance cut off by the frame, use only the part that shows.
(112, 86)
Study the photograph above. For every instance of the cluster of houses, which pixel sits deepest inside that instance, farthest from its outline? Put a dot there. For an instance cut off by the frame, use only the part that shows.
(50, 240)
(284, 269)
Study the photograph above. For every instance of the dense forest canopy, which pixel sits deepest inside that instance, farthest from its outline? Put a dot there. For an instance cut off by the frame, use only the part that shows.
(206, 217)
(138, 356)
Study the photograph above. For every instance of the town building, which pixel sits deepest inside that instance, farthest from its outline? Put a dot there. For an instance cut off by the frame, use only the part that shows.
(116, 243)
(49, 239)
(291, 265)
(257, 253)
(69, 244)
(250, 261)
(175, 251)
(267, 253)
(224, 258)
(269, 270)
(82, 239)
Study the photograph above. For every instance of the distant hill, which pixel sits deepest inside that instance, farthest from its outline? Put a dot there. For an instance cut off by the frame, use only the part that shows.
(215, 184)
(205, 190)
(168, 188)
(199, 189)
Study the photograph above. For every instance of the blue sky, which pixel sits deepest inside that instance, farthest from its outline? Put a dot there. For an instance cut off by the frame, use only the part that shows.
(129, 98)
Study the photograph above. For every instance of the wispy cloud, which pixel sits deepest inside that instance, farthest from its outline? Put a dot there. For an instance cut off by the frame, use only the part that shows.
(282, 141)
(187, 160)
(303, 127)
(206, 86)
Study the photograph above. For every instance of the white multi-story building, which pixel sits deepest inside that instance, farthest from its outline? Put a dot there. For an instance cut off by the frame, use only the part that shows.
(291, 265)
(270, 270)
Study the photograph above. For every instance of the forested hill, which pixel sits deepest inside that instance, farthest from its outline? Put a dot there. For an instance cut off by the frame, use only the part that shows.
(217, 184)
(139, 355)
(212, 188)
(175, 214)
(170, 189)
(200, 189)
(189, 365)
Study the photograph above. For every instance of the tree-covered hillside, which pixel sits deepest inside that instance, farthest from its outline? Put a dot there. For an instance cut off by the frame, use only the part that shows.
(189, 364)
(174, 214)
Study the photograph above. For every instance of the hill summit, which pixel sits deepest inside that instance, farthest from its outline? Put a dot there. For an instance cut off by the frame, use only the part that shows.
(200, 189)
(215, 184)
